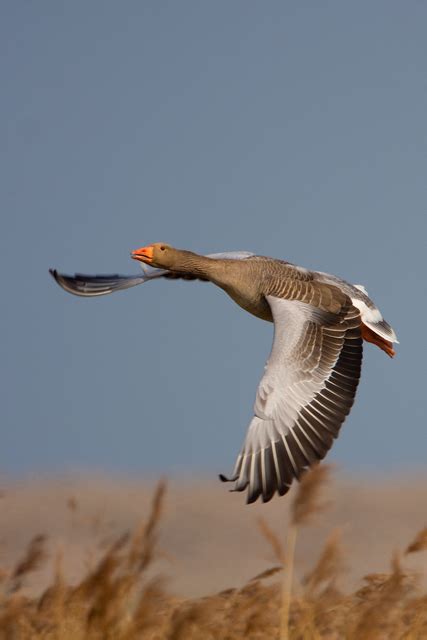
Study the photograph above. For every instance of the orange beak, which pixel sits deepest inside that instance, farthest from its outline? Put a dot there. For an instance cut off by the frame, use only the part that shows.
(145, 254)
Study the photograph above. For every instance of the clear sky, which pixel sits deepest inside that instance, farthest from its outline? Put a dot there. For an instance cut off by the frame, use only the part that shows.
(292, 129)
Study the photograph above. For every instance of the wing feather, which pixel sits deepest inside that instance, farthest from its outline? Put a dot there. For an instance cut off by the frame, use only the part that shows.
(304, 396)
(89, 286)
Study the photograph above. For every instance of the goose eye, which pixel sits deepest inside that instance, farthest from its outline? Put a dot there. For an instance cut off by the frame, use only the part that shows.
(162, 248)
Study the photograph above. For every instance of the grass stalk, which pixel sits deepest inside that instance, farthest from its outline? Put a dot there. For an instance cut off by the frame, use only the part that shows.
(287, 581)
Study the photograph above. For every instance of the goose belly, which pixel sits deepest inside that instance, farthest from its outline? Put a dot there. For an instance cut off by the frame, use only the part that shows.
(258, 306)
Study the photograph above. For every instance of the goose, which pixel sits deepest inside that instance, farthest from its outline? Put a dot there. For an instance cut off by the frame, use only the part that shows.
(311, 376)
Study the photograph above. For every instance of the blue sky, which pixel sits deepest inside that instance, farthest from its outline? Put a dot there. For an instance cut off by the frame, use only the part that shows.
(292, 129)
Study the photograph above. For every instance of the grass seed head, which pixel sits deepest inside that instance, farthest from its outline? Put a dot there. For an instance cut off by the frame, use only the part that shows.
(307, 500)
(419, 543)
(34, 556)
(273, 540)
(329, 565)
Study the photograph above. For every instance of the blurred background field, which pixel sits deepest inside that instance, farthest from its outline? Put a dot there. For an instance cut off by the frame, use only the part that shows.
(210, 537)
(95, 568)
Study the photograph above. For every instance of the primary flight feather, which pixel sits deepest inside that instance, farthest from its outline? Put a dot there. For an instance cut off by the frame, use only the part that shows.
(311, 376)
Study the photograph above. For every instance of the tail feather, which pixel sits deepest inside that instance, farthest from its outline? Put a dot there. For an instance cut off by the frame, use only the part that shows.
(375, 338)
(383, 329)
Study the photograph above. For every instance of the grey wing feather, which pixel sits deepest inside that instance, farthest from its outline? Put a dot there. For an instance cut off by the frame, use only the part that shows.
(302, 400)
(89, 286)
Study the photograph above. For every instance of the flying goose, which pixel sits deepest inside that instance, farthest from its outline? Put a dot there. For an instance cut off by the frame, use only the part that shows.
(311, 376)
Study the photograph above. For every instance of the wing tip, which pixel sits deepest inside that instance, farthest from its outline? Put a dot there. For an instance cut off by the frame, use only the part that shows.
(225, 478)
(255, 492)
(65, 282)
(60, 280)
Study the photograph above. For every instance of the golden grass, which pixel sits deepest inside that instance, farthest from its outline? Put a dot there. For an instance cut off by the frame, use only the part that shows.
(119, 599)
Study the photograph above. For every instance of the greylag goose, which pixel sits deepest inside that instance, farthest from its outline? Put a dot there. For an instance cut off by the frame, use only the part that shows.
(311, 376)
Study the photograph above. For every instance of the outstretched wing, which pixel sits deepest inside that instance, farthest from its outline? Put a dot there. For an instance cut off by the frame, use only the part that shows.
(88, 286)
(100, 285)
(306, 392)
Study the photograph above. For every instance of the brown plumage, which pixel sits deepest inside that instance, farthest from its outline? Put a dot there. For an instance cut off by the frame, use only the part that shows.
(311, 377)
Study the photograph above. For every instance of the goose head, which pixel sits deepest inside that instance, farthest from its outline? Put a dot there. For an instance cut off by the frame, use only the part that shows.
(159, 255)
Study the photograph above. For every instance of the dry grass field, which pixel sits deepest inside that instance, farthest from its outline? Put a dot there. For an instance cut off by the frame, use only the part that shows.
(123, 559)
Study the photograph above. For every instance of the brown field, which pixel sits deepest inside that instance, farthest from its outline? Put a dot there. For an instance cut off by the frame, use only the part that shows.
(122, 559)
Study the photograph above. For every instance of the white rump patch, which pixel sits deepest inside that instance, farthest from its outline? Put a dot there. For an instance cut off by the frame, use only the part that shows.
(367, 313)
(361, 288)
